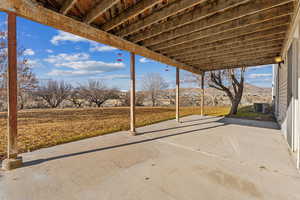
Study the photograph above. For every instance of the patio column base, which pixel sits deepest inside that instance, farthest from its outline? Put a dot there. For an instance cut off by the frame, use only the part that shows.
(12, 163)
(133, 133)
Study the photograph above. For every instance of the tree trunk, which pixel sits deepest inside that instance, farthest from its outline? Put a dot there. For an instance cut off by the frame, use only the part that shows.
(153, 102)
(235, 104)
(234, 107)
(98, 105)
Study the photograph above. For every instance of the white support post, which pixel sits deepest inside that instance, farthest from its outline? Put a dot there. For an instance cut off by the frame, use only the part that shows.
(177, 94)
(298, 96)
(132, 94)
(202, 91)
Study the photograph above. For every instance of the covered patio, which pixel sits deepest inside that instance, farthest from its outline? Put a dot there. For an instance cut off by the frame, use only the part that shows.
(193, 35)
(201, 158)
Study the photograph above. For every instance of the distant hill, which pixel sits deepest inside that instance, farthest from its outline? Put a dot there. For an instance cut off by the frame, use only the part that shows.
(192, 96)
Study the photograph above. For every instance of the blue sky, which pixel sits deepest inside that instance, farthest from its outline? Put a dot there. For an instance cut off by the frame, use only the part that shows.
(58, 55)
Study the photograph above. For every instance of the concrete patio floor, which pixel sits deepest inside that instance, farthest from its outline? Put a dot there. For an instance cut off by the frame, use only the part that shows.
(201, 158)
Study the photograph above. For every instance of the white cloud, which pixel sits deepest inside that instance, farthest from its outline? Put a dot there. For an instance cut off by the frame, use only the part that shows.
(92, 65)
(259, 75)
(49, 51)
(145, 60)
(94, 46)
(29, 52)
(116, 76)
(34, 63)
(80, 65)
(71, 73)
(63, 58)
(4, 23)
(101, 48)
(88, 68)
(63, 36)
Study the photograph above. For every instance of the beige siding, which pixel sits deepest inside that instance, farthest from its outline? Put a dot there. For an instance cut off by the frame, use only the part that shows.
(282, 84)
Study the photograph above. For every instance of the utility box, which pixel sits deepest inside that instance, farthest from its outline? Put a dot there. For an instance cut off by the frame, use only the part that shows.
(261, 108)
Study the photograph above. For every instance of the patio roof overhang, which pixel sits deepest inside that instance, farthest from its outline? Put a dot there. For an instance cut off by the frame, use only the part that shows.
(194, 35)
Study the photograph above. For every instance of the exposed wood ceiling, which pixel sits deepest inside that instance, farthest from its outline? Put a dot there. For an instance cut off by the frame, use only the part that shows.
(195, 35)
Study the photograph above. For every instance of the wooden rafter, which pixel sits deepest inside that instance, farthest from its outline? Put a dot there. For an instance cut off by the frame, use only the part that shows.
(249, 36)
(229, 49)
(160, 42)
(181, 33)
(99, 9)
(68, 4)
(132, 12)
(239, 11)
(169, 10)
(236, 64)
(241, 54)
(291, 30)
(251, 29)
(229, 65)
(233, 53)
(221, 45)
(30, 10)
(197, 14)
(239, 59)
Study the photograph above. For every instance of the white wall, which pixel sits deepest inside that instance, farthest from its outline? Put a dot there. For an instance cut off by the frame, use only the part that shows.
(287, 90)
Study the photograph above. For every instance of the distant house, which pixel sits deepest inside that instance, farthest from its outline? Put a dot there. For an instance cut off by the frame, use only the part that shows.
(159, 102)
(112, 103)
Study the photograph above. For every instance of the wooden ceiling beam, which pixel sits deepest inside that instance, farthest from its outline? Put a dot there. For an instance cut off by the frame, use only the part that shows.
(165, 12)
(242, 44)
(190, 25)
(68, 5)
(99, 9)
(209, 9)
(32, 11)
(160, 41)
(229, 53)
(254, 28)
(249, 53)
(250, 36)
(238, 60)
(229, 48)
(132, 12)
(293, 25)
(252, 63)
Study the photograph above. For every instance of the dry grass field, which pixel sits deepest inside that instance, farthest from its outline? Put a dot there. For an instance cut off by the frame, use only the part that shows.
(49, 127)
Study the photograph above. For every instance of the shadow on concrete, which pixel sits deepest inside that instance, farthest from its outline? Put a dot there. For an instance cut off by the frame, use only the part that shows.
(39, 161)
(203, 118)
(177, 127)
(223, 122)
(248, 122)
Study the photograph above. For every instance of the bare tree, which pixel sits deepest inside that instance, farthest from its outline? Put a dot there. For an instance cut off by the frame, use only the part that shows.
(139, 99)
(27, 80)
(76, 98)
(3, 64)
(97, 92)
(154, 83)
(231, 82)
(53, 92)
